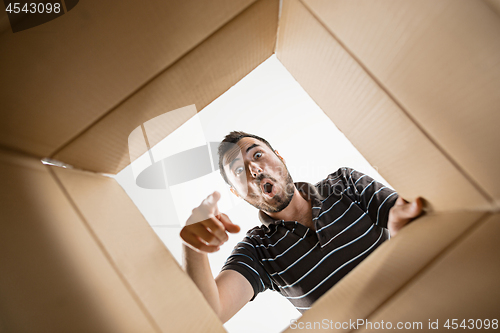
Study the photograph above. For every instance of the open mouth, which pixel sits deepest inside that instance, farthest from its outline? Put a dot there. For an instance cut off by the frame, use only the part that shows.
(267, 187)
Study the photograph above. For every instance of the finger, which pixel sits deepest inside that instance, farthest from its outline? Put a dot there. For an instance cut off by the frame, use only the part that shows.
(201, 231)
(199, 246)
(215, 198)
(419, 206)
(412, 209)
(217, 228)
(230, 226)
(212, 199)
(209, 205)
(400, 201)
(195, 242)
(208, 248)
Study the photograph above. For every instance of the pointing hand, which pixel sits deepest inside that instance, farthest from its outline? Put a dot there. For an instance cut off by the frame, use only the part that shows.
(206, 229)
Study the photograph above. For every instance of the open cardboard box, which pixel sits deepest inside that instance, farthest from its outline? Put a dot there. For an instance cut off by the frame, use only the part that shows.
(413, 84)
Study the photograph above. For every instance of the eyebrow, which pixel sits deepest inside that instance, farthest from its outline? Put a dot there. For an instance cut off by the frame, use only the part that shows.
(251, 147)
(248, 149)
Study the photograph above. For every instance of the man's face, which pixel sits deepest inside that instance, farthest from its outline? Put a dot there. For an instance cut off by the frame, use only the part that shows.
(258, 175)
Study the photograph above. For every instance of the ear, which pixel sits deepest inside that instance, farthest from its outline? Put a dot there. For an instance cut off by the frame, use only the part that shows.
(281, 158)
(234, 191)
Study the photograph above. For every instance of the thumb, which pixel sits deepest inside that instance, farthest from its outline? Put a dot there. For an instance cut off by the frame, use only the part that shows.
(228, 224)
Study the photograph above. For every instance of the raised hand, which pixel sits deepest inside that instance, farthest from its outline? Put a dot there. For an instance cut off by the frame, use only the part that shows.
(206, 229)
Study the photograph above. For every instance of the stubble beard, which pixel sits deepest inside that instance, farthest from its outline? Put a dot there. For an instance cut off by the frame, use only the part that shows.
(282, 200)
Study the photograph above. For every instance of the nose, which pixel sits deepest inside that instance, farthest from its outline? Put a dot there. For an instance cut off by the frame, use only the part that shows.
(255, 170)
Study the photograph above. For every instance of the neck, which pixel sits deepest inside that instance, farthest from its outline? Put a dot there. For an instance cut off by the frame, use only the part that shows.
(299, 209)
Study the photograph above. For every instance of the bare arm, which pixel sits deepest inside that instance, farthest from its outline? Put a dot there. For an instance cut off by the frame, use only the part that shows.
(205, 231)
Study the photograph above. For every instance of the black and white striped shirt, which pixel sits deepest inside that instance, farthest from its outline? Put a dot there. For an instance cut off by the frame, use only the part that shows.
(350, 212)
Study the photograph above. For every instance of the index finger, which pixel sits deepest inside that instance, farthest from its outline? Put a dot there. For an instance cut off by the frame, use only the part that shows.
(217, 228)
(211, 201)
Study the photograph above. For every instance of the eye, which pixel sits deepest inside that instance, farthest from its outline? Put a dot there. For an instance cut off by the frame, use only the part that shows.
(238, 170)
(257, 155)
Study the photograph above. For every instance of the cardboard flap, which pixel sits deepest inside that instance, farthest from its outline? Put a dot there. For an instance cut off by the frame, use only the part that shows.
(388, 269)
(369, 116)
(462, 284)
(198, 78)
(55, 276)
(441, 62)
(167, 293)
(61, 77)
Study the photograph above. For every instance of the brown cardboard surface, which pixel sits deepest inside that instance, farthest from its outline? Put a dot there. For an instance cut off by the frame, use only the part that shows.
(198, 78)
(60, 77)
(461, 284)
(167, 293)
(494, 5)
(390, 268)
(4, 22)
(441, 61)
(414, 86)
(55, 277)
(371, 119)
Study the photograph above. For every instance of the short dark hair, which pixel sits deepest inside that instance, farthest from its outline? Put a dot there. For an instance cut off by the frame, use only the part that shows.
(229, 141)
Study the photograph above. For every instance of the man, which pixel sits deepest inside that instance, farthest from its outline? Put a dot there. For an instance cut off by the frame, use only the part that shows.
(311, 235)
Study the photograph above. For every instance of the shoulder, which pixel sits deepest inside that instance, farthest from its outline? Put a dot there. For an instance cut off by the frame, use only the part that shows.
(340, 172)
(334, 177)
(262, 235)
(338, 180)
(261, 231)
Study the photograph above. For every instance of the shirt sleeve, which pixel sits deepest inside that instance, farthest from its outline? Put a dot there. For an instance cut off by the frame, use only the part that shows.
(244, 260)
(373, 197)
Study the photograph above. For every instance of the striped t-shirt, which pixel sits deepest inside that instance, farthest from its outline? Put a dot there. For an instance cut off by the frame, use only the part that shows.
(350, 212)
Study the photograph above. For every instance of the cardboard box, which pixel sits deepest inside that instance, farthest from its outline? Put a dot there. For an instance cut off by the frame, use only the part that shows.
(413, 84)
